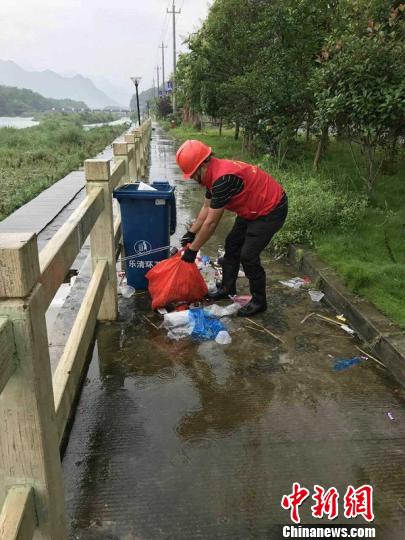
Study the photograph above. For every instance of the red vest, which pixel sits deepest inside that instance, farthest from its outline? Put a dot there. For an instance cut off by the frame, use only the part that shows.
(260, 195)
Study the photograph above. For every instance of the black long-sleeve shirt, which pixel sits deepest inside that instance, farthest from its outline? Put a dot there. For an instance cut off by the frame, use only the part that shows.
(223, 190)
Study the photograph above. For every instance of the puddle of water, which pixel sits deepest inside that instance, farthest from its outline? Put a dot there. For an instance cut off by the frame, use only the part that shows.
(195, 440)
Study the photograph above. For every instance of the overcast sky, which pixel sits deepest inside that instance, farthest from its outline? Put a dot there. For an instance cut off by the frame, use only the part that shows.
(115, 39)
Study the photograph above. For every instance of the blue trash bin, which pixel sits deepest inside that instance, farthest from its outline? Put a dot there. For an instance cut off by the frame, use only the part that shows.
(148, 220)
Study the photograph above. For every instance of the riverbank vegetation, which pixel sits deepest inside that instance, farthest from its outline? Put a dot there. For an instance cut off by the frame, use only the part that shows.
(34, 158)
(362, 237)
(21, 101)
(314, 92)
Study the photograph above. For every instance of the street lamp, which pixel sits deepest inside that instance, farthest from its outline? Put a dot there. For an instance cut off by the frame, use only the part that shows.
(136, 81)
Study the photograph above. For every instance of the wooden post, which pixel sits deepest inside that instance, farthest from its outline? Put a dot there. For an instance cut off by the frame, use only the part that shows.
(133, 163)
(120, 151)
(102, 236)
(29, 446)
(140, 152)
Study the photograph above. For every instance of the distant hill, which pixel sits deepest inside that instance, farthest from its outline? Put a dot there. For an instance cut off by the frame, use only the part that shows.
(51, 85)
(17, 101)
(144, 97)
(121, 95)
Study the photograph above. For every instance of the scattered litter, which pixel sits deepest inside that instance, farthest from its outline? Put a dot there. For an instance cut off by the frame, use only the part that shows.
(341, 318)
(176, 318)
(390, 416)
(344, 327)
(197, 323)
(162, 311)
(178, 324)
(145, 187)
(218, 311)
(242, 300)
(328, 319)
(127, 291)
(316, 296)
(203, 326)
(344, 363)
(330, 356)
(347, 329)
(223, 338)
(265, 330)
(371, 357)
(294, 283)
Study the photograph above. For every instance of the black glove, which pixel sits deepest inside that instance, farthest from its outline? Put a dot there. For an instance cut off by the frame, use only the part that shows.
(189, 255)
(188, 238)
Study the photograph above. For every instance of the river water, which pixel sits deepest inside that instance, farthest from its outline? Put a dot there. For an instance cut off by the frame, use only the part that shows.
(20, 122)
(17, 122)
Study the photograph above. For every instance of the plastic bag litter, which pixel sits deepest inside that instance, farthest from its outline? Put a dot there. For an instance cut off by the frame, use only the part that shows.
(205, 327)
(294, 283)
(218, 311)
(176, 318)
(174, 280)
(344, 363)
(241, 300)
(145, 187)
(223, 338)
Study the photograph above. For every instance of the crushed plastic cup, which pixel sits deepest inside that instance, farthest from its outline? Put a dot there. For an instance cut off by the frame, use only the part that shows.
(126, 290)
(316, 296)
(223, 338)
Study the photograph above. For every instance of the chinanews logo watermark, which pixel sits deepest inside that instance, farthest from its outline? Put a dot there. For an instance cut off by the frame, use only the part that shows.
(328, 504)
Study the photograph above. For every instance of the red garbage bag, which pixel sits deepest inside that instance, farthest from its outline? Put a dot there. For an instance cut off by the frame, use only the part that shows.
(174, 280)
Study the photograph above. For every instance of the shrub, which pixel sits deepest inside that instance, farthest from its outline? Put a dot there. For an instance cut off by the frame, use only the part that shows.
(315, 206)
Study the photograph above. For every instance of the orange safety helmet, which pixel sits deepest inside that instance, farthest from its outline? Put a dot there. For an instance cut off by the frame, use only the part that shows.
(191, 155)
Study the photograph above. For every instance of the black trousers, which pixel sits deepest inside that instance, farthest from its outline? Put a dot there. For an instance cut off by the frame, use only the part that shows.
(244, 244)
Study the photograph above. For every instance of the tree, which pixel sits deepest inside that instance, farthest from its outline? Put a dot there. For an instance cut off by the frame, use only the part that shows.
(361, 83)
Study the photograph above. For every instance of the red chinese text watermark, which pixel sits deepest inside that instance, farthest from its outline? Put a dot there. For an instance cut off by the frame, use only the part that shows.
(356, 502)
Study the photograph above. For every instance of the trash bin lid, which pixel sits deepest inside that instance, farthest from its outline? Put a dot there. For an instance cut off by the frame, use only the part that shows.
(163, 190)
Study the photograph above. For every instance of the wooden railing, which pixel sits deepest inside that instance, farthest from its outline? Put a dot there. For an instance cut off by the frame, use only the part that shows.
(35, 406)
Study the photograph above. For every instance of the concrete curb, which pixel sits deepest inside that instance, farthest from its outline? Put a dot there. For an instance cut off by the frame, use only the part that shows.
(384, 338)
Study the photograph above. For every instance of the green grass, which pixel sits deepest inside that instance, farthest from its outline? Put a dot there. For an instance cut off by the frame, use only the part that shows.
(34, 158)
(362, 237)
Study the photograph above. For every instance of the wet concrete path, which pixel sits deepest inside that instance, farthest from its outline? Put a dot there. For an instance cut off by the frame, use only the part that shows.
(179, 440)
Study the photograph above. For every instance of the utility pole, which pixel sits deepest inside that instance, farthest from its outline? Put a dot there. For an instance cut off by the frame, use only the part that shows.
(174, 13)
(163, 47)
(157, 71)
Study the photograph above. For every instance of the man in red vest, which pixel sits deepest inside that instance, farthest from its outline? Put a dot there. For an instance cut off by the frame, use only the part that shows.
(260, 204)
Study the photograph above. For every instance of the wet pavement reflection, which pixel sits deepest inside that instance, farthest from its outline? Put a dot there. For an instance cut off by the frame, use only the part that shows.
(181, 440)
